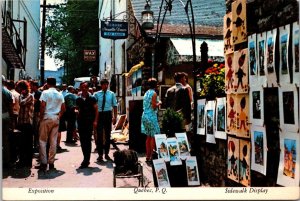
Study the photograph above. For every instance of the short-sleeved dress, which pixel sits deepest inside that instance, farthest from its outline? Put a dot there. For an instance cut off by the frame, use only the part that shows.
(150, 124)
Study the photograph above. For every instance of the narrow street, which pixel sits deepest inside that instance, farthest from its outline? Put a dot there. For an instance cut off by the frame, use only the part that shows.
(68, 174)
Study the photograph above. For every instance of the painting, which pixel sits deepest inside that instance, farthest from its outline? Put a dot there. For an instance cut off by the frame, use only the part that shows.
(210, 121)
(174, 152)
(288, 170)
(261, 52)
(244, 176)
(259, 149)
(201, 116)
(240, 64)
(296, 48)
(161, 146)
(227, 33)
(284, 35)
(288, 107)
(231, 114)
(192, 171)
(242, 115)
(183, 144)
(257, 106)
(239, 25)
(270, 59)
(233, 159)
(229, 74)
(161, 173)
(221, 119)
(252, 61)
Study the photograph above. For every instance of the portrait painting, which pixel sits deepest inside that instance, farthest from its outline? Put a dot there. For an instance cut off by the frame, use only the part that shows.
(284, 36)
(161, 173)
(161, 146)
(245, 152)
(242, 115)
(183, 144)
(261, 52)
(270, 59)
(231, 114)
(201, 116)
(233, 159)
(229, 74)
(288, 108)
(227, 33)
(288, 170)
(241, 84)
(192, 171)
(256, 97)
(174, 152)
(221, 118)
(295, 51)
(259, 149)
(239, 25)
(252, 61)
(210, 121)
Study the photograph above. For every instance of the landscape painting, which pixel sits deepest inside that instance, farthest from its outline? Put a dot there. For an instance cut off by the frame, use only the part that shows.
(259, 149)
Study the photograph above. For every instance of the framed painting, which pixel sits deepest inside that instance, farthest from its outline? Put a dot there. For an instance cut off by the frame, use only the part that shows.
(259, 149)
(174, 152)
(161, 173)
(284, 37)
(221, 118)
(252, 61)
(233, 158)
(161, 146)
(288, 108)
(242, 115)
(239, 25)
(229, 74)
(256, 97)
(270, 59)
(192, 171)
(261, 54)
(295, 50)
(245, 152)
(288, 170)
(210, 121)
(231, 114)
(240, 64)
(201, 116)
(183, 144)
(227, 33)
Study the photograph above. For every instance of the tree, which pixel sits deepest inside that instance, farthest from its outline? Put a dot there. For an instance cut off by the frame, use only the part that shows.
(70, 29)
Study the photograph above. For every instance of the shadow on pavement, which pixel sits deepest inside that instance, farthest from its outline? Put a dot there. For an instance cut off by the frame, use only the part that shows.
(88, 171)
(17, 173)
(50, 174)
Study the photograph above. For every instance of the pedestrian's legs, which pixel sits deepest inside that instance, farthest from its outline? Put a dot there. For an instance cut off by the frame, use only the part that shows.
(86, 143)
(107, 131)
(148, 148)
(43, 138)
(53, 140)
(100, 135)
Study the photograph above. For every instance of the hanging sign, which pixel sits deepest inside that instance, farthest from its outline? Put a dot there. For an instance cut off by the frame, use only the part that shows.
(114, 29)
(89, 55)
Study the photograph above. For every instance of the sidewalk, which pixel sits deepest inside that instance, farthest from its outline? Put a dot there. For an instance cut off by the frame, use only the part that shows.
(68, 174)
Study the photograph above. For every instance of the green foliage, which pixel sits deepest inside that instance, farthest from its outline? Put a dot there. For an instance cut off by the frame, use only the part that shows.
(70, 29)
(172, 122)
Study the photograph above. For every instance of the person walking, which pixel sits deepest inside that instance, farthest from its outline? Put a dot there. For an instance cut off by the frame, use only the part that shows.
(25, 121)
(149, 121)
(70, 115)
(87, 120)
(107, 108)
(52, 108)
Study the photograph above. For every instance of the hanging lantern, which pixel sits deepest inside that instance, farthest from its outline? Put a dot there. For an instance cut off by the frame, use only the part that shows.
(147, 17)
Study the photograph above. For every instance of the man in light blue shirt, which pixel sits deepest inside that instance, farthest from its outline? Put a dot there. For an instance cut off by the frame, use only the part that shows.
(107, 108)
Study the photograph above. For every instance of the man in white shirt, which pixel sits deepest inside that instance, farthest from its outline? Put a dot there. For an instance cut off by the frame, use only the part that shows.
(52, 108)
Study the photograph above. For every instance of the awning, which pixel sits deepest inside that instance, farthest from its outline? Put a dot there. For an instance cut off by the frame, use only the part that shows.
(134, 68)
(184, 46)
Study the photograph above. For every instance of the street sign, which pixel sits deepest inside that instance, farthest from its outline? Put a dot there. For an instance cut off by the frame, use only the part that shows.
(114, 29)
(89, 55)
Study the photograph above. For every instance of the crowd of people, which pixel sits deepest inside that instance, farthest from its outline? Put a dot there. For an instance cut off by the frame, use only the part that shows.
(33, 118)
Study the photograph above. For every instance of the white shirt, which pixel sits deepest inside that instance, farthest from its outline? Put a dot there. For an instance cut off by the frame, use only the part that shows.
(53, 100)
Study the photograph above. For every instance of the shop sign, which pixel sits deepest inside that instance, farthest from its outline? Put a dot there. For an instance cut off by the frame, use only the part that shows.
(114, 29)
(89, 55)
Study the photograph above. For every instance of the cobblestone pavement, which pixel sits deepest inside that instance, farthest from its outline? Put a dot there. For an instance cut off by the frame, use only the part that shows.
(68, 175)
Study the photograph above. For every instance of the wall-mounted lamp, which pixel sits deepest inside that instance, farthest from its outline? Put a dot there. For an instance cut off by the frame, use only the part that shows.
(147, 17)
